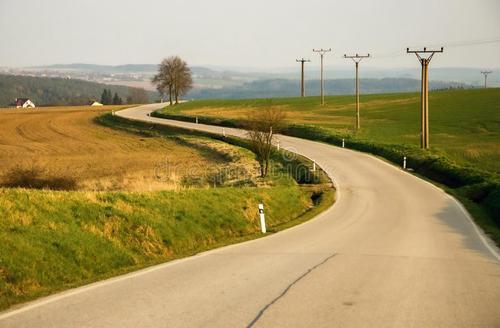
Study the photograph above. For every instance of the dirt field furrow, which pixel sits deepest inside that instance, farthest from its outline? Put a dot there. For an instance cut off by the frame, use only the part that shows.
(67, 142)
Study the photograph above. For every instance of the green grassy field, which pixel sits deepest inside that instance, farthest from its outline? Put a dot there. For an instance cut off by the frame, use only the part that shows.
(464, 124)
(54, 240)
(464, 135)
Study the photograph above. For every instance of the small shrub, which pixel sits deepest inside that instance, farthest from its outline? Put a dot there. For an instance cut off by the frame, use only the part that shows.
(37, 178)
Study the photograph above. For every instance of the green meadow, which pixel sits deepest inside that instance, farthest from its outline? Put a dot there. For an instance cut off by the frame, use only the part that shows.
(464, 124)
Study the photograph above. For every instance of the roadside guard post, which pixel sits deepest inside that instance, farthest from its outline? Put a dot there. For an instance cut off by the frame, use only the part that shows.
(404, 163)
(262, 218)
(343, 143)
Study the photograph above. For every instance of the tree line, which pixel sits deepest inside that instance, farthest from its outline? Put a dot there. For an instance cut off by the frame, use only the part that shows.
(107, 98)
(135, 96)
(173, 78)
(48, 91)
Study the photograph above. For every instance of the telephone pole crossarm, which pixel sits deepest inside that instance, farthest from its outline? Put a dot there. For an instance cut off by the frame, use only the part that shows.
(424, 51)
(357, 58)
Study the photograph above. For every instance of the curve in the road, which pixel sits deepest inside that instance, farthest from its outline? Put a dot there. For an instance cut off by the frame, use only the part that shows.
(394, 251)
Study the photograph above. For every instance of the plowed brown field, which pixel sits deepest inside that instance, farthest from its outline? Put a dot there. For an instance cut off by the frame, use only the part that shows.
(65, 141)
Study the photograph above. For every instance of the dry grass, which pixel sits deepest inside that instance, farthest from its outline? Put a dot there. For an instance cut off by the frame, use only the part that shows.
(66, 143)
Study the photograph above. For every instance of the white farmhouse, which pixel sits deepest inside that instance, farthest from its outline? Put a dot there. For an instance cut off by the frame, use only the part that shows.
(24, 103)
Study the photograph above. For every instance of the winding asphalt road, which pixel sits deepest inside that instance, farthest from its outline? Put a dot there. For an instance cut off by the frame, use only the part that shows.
(394, 251)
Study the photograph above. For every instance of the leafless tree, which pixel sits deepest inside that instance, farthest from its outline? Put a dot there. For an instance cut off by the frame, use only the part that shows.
(173, 77)
(183, 81)
(262, 126)
(163, 80)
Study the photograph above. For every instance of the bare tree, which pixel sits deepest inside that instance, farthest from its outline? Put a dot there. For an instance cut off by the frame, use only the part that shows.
(183, 81)
(173, 77)
(164, 79)
(262, 126)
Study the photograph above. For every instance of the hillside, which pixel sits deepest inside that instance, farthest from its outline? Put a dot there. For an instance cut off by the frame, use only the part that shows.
(46, 91)
(238, 83)
(140, 195)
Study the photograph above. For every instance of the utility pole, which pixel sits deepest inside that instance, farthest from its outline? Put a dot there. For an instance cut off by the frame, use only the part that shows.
(322, 52)
(302, 86)
(424, 96)
(357, 59)
(485, 73)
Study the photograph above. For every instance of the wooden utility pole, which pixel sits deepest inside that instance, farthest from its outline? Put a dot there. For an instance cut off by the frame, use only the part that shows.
(357, 59)
(302, 83)
(322, 52)
(485, 73)
(424, 96)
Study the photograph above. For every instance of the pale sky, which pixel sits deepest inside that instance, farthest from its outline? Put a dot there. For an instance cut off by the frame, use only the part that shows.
(252, 33)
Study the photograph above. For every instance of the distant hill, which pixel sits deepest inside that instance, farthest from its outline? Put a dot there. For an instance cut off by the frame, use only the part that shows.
(457, 74)
(290, 88)
(220, 82)
(46, 91)
(129, 68)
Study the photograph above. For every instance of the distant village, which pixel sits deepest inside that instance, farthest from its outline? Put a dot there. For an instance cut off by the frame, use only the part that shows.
(101, 77)
(28, 103)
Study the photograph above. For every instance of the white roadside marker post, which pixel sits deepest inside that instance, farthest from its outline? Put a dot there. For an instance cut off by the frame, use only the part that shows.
(314, 166)
(343, 143)
(196, 119)
(262, 218)
(404, 163)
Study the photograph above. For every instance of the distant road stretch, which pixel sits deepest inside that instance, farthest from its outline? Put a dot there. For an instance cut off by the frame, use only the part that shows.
(394, 251)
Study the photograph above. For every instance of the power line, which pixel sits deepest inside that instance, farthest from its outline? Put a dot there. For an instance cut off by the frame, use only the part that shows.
(397, 53)
(302, 87)
(472, 42)
(357, 59)
(424, 61)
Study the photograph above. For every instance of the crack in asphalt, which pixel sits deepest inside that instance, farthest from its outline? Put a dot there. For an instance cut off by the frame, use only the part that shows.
(285, 291)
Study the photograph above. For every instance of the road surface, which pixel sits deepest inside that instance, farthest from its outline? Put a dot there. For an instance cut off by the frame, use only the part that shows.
(394, 251)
